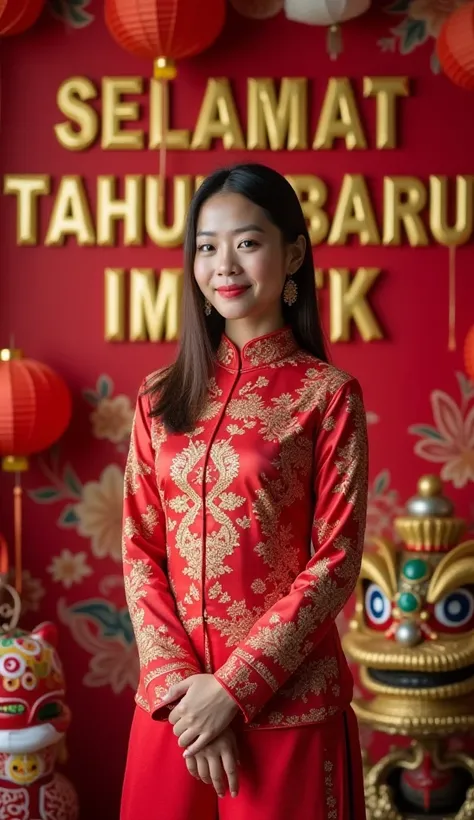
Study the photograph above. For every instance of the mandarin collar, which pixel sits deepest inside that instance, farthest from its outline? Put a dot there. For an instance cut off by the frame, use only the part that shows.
(258, 352)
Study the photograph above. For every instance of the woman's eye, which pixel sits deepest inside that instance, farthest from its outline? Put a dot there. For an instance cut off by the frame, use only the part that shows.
(248, 243)
(205, 248)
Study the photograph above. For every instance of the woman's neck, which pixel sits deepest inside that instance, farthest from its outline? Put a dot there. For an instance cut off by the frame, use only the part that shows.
(241, 331)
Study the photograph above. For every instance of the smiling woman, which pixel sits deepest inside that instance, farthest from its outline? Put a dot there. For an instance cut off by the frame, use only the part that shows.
(257, 236)
(244, 517)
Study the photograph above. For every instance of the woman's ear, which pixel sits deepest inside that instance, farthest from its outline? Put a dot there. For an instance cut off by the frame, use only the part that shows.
(295, 255)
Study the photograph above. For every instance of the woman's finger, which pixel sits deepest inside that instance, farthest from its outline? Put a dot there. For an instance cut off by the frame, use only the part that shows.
(186, 737)
(198, 745)
(217, 774)
(203, 769)
(229, 762)
(191, 764)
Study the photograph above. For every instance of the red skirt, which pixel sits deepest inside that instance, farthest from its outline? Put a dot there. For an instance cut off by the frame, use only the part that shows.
(310, 772)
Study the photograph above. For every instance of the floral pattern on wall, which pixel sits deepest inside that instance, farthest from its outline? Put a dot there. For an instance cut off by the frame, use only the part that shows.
(421, 22)
(72, 12)
(450, 441)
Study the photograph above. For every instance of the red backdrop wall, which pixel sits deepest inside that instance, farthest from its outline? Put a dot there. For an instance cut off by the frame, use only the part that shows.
(52, 300)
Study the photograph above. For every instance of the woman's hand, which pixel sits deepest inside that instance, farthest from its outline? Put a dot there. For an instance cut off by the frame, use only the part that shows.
(204, 711)
(216, 762)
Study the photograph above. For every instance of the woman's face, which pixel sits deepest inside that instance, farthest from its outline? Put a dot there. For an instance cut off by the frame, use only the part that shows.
(241, 261)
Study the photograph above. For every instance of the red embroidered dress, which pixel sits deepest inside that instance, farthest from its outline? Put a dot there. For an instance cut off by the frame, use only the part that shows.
(243, 539)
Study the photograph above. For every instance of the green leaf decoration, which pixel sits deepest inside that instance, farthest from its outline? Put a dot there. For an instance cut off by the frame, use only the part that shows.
(126, 624)
(68, 517)
(105, 616)
(426, 431)
(45, 495)
(71, 481)
(399, 7)
(381, 482)
(412, 33)
(105, 387)
(466, 386)
(91, 397)
(72, 12)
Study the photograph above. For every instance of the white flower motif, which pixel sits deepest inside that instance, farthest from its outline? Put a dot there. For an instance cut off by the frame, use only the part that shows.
(112, 419)
(100, 513)
(451, 442)
(68, 568)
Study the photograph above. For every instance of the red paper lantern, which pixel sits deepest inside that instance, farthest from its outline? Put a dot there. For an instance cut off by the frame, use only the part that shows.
(35, 408)
(164, 30)
(455, 46)
(469, 354)
(17, 16)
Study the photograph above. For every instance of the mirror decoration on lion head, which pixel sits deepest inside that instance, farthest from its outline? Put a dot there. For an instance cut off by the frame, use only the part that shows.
(412, 636)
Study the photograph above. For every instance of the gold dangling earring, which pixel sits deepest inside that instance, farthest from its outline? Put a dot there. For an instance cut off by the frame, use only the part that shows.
(290, 291)
(207, 307)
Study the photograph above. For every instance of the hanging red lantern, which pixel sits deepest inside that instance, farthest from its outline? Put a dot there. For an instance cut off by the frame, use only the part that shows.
(455, 46)
(16, 16)
(35, 410)
(164, 31)
(469, 354)
(35, 407)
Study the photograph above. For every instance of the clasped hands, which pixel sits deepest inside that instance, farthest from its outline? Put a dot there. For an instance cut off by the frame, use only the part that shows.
(201, 722)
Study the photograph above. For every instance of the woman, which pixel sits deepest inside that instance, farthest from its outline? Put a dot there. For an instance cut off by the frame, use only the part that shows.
(244, 516)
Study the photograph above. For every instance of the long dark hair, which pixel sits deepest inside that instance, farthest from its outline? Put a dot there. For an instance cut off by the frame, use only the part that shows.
(179, 392)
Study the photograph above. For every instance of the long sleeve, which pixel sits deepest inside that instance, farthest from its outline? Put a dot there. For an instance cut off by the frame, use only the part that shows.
(291, 629)
(165, 653)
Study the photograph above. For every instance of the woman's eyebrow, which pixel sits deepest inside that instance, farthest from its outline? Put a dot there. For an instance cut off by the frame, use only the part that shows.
(242, 229)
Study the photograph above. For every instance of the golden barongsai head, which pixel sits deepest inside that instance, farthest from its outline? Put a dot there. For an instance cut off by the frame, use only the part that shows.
(413, 628)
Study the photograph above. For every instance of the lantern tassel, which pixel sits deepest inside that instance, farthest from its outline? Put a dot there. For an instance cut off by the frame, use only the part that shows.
(17, 523)
(162, 172)
(164, 70)
(334, 41)
(452, 298)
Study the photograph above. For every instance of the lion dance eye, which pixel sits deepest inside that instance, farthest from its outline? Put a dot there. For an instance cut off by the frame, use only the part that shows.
(29, 680)
(456, 609)
(378, 608)
(11, 684)
(12, 666)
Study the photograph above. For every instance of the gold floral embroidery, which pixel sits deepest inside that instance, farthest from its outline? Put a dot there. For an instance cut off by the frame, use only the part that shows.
(225, 352)
(238, 624)
(212, 405)
(149, 520)
(238, 675)
(152, 642)
(158, 436)
(258, 352)
(188, 505)
(133, 470)
(313, 716)
(312, 677)
(140, 701)
(331, 801)
(265, 351)
(221, 513)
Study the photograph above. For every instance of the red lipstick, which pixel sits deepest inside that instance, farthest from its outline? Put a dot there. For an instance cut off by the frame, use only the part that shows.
(231, 291)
